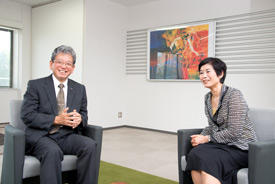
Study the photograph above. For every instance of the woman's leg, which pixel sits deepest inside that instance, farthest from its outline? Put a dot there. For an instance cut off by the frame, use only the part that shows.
(196, 176)
(208, 179)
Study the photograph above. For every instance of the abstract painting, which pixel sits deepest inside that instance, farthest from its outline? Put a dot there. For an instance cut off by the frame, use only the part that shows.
(175, 52)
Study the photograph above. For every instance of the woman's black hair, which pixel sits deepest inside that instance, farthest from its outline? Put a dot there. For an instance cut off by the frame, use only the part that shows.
(218, 65)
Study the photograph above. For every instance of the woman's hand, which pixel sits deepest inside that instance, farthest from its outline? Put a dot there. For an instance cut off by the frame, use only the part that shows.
(199, 139)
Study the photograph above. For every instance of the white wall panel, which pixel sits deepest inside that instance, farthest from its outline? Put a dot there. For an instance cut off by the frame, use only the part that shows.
(56, 24)
(245, 42)
(17, 16)
(159, 105)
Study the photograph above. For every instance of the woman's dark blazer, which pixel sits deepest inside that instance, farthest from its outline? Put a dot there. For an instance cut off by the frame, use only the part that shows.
(231, 124)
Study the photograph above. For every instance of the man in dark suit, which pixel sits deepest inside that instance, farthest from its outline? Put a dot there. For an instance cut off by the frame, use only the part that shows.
(55, 111)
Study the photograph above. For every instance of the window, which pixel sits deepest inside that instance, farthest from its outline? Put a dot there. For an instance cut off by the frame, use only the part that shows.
(6, 53)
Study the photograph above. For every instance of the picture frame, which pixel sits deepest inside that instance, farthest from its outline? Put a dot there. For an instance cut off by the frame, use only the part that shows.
(174, 52)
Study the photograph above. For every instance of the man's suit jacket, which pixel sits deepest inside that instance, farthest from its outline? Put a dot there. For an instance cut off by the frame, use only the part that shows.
(39, 107)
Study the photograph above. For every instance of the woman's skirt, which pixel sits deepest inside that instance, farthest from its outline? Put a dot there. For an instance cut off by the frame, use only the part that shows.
(219, 160)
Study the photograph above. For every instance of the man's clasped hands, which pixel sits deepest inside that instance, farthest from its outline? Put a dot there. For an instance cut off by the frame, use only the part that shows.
(71, 119)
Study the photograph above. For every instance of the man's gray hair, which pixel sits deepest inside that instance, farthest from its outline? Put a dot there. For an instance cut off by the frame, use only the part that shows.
(64, 49)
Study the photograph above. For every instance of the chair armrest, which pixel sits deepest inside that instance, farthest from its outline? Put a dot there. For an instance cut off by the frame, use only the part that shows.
(261, 162)
(95, 132)
(13, 155)
(184, 146)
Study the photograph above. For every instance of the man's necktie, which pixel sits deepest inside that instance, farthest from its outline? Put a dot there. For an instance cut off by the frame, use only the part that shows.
(60, 106)
(60, 99)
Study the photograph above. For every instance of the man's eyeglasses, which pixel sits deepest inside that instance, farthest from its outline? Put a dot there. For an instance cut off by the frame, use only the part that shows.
(67, 64)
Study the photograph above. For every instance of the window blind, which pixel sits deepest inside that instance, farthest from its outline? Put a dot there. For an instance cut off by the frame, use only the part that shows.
(245, 42)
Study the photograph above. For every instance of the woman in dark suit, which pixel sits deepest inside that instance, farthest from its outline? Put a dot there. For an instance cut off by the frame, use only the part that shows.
(222, 147)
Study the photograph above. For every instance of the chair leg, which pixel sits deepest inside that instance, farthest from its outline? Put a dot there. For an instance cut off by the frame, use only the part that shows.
(68, 177)
(31, 180)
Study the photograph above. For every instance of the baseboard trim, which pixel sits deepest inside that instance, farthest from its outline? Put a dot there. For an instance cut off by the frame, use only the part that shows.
(141, 128)
(114, 127)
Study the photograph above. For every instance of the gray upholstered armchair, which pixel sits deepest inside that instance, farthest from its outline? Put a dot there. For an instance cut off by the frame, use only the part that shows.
(20, 168)
(261, 157)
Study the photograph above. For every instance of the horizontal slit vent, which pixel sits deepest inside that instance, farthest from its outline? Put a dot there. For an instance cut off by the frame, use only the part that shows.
(245, 42)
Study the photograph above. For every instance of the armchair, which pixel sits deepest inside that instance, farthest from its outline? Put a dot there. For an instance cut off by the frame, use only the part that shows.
(20, 168)
(261, 158)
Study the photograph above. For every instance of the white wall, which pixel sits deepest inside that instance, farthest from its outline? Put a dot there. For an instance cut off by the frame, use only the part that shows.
(180, 105)
(169, 12)
(56, 24)
(258, 5)
(104, 55)
(15, 15)
(158, 105)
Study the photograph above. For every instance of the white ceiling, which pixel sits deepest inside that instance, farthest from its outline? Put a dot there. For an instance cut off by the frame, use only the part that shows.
(132, 2)
(36, 3)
